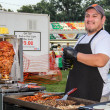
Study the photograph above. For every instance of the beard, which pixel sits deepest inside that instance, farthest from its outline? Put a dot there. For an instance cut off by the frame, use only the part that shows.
(90, 30)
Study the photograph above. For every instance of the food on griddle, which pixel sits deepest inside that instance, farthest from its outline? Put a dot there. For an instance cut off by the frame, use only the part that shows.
(55, 103)
(51, 101)
(70, 107)
(6, 59)
(38, 97)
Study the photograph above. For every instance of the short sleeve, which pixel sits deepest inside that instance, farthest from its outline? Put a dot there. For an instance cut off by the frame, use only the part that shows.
(103, 46)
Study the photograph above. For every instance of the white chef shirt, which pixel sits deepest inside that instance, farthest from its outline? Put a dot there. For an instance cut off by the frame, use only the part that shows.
(100, 44)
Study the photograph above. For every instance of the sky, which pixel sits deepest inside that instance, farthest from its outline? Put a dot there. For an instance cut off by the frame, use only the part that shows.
(16, 4)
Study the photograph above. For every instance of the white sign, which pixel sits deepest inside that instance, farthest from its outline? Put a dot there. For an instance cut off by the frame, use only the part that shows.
(31, 40)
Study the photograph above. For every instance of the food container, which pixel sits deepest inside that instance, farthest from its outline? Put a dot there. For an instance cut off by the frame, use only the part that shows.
(99, 107)
(107, 107)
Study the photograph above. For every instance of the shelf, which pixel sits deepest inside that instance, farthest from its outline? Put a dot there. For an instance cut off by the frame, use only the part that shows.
(63, 40)
(66, 31)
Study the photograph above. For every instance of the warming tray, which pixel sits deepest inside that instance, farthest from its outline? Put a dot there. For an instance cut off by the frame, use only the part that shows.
(12, 99)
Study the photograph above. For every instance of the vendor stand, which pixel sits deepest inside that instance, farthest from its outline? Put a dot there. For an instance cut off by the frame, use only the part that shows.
(12, 89)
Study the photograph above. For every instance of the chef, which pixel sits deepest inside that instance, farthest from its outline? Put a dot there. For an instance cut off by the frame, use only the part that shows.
(90, 57)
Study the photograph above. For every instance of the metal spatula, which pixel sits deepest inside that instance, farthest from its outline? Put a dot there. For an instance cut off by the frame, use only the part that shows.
(68, 93)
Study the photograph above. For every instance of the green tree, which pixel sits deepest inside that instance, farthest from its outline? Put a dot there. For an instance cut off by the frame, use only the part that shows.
(45, 7)
(59, 10)
(69, 10)
(9, 10)
(0, 7)
(106, 6)
(42, 7)
(26, 9)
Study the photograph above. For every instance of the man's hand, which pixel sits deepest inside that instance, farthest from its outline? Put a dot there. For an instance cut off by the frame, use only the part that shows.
(67, 63)
(69, 53)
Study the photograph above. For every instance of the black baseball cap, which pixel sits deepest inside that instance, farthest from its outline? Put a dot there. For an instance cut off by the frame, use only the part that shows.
(98, 8)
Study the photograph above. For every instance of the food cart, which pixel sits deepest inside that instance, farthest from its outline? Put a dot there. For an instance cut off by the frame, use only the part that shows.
(12, 90)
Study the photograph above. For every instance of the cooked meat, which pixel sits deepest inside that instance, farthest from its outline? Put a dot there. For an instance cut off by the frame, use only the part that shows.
(6, 58)
(51, 101)
(55, 103)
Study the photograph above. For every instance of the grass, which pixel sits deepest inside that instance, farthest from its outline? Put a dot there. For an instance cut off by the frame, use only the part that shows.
(59, 86)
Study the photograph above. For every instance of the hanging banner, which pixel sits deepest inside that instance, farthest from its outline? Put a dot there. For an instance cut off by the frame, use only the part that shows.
(31, 40)
(67, 26)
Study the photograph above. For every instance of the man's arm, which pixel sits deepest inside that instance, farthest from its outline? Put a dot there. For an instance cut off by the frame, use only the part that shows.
(95, 60)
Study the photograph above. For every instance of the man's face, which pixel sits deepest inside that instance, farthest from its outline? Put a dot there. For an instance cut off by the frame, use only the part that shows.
(93, 21)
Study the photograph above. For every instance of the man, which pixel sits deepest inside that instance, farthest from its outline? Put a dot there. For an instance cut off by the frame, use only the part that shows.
(67, 44)
(59, 47)
(90, 56)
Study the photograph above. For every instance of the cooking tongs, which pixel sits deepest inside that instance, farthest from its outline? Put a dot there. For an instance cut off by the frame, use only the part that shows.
(56, 94)
(68, 93)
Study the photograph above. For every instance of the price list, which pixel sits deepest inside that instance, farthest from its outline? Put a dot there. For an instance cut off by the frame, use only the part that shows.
(31, 40)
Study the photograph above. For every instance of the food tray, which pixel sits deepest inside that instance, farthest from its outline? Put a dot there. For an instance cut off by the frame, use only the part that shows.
(12, 99)
(90, 107)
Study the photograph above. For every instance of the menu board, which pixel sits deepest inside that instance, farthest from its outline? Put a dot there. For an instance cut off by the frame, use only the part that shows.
(31, 40)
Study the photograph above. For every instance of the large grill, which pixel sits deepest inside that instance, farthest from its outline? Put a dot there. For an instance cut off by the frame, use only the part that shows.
(13, 99)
